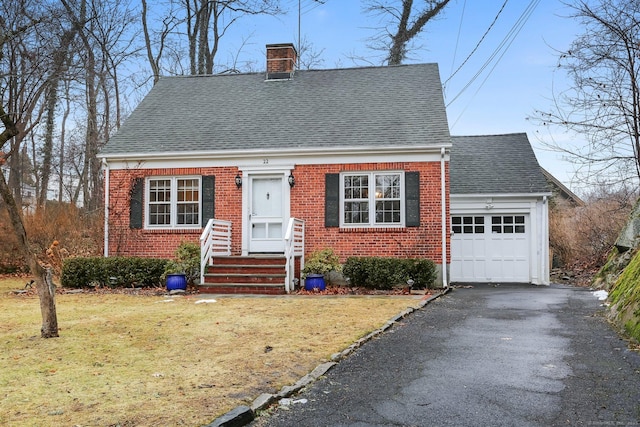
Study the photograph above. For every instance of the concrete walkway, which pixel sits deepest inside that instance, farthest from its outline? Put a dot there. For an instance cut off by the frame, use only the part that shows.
(509, 355)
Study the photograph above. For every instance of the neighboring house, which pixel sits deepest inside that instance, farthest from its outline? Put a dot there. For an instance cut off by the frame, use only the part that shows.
(499, 211)
(562, 196)
(27, 192)
(29, 200)
(352, 159)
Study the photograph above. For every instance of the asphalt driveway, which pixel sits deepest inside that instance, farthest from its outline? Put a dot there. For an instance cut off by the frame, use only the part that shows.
(507, 355)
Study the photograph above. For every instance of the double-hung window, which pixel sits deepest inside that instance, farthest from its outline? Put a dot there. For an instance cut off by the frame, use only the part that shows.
(372, 199)
(173, 202)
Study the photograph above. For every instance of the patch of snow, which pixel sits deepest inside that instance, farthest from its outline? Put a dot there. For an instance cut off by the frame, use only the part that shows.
(165, 300)
(205, 301)
(601, 295)
(289, 402)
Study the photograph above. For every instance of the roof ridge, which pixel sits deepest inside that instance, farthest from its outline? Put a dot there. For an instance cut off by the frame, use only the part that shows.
(488, 135)
(251, 73)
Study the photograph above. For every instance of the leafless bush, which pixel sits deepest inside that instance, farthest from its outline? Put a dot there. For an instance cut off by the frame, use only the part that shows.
(62, 230)
(583, 236)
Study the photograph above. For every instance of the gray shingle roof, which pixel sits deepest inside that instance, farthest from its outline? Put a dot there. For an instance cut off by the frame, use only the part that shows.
(376, 106)
(494, 164)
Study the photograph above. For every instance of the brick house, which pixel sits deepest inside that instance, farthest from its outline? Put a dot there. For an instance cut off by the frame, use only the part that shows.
(284, 163)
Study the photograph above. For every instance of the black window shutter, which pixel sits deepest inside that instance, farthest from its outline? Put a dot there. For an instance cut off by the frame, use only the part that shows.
(332, 200)
(135, 205)
(412, 198)
(208, 199)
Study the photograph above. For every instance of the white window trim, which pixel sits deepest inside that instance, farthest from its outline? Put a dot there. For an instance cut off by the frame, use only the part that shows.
(372, 199)
(173, 210)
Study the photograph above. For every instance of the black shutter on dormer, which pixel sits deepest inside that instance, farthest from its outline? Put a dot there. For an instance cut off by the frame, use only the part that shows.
(135, 206)
(208, 199)
(412, 198)
(332, 200)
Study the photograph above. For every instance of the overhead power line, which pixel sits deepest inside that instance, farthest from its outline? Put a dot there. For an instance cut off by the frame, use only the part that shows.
(479, 42)
(500, 50)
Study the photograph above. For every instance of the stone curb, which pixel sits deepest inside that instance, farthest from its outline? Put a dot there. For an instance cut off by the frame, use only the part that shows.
(243, 415)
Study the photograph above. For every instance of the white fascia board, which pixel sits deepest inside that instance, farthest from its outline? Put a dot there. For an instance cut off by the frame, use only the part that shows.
(249, 158)
(503, 203)
(499, 196)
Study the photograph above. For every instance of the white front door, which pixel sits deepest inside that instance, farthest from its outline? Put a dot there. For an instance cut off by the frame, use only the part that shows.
(266, 230)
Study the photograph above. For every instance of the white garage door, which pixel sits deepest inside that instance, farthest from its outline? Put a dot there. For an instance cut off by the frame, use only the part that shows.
(490, 248)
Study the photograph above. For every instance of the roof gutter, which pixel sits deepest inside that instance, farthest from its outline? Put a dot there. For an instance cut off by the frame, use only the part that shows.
(499, 195)
(261, 153)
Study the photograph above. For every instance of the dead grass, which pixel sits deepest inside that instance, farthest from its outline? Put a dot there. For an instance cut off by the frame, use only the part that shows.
(153, 361)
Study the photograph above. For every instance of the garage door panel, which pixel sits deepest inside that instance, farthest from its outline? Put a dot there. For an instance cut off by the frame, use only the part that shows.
(490, 248)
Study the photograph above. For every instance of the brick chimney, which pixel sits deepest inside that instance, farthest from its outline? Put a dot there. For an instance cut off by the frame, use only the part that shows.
(281, 61)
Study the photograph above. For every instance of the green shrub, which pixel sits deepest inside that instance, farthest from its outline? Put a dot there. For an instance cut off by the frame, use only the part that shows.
(385, 273)
(113, 271)
(187, 261)
(322, 262)
(422, 272)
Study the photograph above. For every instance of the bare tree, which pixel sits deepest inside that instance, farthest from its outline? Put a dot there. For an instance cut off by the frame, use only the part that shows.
(402, 22)
(12, 129)
(51, 99)
(308, 57)
(23, 69)
(207, 22)
(204, 22)
(158, 39)
(603, 101)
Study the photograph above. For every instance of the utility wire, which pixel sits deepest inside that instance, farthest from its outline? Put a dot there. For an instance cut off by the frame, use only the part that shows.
(479, 42)
(455, 49)
(501, 49)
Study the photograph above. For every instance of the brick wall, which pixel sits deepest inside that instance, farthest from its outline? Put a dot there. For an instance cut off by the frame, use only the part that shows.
(307, 203)
(124, 241)
(423, 241)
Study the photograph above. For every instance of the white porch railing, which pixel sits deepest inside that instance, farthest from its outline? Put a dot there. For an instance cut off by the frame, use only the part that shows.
(293, 247)
(214, 241)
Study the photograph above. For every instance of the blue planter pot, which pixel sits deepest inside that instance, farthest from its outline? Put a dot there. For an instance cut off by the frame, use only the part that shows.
(314, 281)
(176, 282)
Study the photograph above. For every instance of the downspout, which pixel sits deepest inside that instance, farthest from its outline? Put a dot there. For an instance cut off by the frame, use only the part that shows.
(443, 203)
(544, 277)
(105, 169)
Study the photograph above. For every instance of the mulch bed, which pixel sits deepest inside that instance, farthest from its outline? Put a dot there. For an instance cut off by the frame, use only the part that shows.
(29, 289)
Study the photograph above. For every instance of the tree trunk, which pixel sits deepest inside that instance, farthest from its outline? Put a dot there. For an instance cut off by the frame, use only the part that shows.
(16, 167)
(44, 284)
(47, 148)
(408, 30)
(90, 195)
(51, 100)
(63, 128)
(204, 15)
(153, 63)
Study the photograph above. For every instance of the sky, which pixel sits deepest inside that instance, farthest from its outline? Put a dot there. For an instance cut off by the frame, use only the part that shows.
(497, 59)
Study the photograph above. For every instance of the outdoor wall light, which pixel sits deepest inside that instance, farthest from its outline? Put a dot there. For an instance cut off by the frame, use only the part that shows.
(238, 180)
(292, 180)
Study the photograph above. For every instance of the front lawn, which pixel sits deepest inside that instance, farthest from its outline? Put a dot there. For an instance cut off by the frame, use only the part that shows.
(152, 360)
